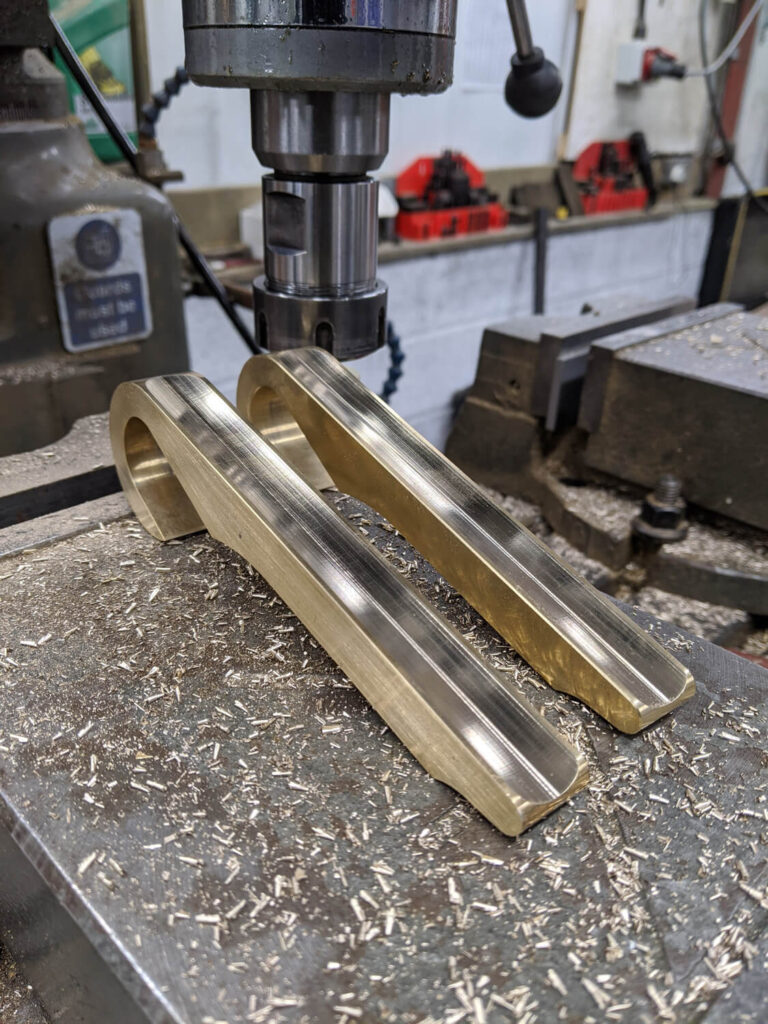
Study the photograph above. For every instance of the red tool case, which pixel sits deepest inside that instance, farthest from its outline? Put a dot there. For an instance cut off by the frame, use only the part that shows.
(445, 196)
(605, 174)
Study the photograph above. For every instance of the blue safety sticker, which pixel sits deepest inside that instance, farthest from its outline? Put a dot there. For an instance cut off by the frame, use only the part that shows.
(101, 278)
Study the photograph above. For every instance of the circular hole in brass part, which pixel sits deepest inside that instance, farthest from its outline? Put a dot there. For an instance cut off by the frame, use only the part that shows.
(270, 415)
(158, 487)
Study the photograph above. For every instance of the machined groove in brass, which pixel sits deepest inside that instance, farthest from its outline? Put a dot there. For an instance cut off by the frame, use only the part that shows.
(333, 430)
(187, 461)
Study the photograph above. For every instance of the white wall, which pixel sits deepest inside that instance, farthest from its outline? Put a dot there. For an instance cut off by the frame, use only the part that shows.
(206, 133)
(672, 113)
(472, 115)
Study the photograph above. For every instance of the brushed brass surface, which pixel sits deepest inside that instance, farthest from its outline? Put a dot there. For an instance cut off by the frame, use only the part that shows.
(331, 428)
(187, 461)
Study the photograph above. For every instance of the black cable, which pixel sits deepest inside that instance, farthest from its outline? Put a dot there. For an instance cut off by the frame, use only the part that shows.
(729, 153)
(396, 360)
(129, 151)
(161, 100)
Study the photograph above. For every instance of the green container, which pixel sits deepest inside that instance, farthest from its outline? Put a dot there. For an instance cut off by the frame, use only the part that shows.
(100, 32)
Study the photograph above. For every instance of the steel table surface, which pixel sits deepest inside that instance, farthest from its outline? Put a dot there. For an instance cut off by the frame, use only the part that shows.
(205, 822)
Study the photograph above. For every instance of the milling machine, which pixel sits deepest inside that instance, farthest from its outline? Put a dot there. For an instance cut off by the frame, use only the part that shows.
(184, 832)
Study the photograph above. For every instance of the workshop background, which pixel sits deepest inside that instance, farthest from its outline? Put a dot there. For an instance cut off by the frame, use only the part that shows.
(441, 303)
(622, 216)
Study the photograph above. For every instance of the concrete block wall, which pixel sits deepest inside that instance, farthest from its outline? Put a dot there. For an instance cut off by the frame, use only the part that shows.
(440, 304)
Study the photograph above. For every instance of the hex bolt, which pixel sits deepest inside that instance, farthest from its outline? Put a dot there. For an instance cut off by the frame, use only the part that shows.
(662, 515)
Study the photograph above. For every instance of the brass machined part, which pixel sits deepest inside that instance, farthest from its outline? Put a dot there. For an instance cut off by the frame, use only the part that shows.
(187, 461)
(332, 429)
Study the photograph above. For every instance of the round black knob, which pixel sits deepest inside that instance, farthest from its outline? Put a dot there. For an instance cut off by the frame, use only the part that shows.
(533, 85)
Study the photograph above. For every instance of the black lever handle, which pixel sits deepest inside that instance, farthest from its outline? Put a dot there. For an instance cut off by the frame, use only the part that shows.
(534, 84)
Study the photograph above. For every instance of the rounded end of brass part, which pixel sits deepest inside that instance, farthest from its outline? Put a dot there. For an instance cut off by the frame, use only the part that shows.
(150, 484)
(526, 815)
(686, 691)
(514, 809)
(627, 715)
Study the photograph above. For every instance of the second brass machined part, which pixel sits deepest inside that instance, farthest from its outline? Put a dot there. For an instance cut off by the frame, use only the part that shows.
(333, 430)
(187, 461)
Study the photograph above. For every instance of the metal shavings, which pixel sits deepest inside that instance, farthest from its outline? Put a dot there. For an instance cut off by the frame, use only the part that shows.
(573, 899)
(86, 862)
(756, 894)
(601, 999)
(454, 894)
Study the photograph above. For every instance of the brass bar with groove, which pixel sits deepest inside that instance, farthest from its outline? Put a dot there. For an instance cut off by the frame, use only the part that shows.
(187, 461)
(333, 430)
